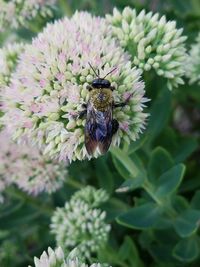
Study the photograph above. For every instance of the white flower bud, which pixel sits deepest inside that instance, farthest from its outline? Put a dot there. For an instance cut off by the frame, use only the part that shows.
(57, 259)
(192, 66)
(146, 33)
(80, 223)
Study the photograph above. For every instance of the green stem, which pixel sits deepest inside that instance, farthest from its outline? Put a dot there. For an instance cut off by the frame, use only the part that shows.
(125, 161)
(30, 200)
(119, 203)
(74, 183)
(147, 186)
(125, 147)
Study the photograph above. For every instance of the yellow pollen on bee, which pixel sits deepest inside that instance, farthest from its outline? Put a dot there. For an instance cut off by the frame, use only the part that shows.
(101, 98)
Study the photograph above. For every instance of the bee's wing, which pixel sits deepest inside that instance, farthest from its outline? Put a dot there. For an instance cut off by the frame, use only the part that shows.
(90, 126)
(98, 129)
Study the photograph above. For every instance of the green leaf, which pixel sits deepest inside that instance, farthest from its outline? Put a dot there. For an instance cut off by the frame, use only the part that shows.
(187, 223)
(179, 203)
(128, 252)
(142, 217)
(138, 162)
(160, 112)
(191, 184)
(185, 148)
(186, 250)
(114, 207)
(131, 184)
(121, 169)
(170, 181)
(161, 253)
(161, 156)
(195, 202)
(127, 248)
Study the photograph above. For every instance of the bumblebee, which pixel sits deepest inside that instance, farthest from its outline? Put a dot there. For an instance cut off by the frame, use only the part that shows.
(100, 125)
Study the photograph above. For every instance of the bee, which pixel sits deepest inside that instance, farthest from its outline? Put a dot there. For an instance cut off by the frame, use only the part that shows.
(100, 125)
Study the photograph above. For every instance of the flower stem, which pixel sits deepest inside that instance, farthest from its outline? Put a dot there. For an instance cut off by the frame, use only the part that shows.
(74, 183)
(30, 200)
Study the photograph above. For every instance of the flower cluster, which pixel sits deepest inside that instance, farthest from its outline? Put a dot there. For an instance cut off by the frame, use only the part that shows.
(91, 196)
(21, 164)
(192, 65)
(80, 225)
(49, 87)
(17, 13)
(5, 180)
(56, 258)
(27, 168)
(8, 60)
(9, 56)
(152, 42)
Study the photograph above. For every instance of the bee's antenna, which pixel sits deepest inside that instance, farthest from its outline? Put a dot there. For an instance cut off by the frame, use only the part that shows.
(94, 70)
(109, 73)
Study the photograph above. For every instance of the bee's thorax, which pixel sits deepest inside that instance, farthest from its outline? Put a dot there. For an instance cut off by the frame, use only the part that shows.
(101, 98)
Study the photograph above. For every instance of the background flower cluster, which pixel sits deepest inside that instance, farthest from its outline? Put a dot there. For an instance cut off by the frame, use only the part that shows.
(137, 205)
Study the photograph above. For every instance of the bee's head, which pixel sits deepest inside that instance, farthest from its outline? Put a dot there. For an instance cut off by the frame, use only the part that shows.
(100, 83)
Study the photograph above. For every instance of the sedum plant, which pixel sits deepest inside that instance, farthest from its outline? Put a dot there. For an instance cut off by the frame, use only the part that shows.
(152, 41)
(9, 56)
(152, 179)
(81, 224)
(26, 167)
(17, 13)
(91, 196)
(47, 98)
(193, 62)
(56, 258)
(21, 164)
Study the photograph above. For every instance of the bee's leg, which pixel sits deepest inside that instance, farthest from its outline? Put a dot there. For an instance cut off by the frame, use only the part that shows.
(122, 104)
(89, 87)
(115, 126)
(84, 105)
(82, 114)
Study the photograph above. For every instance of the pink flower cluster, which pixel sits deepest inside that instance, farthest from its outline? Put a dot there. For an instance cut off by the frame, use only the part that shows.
(14, 14)
(25, 166)
(49, 87)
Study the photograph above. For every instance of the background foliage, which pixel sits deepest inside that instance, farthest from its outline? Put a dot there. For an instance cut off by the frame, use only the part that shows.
(154, 183)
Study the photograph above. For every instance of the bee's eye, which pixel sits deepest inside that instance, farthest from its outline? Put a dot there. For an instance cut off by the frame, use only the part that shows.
(100, 83)
(106, 83)
(96, 83)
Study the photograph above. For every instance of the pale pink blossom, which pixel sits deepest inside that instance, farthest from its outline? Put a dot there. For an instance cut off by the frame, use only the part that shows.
(49, 87)
(14, 14)
(25, 166)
